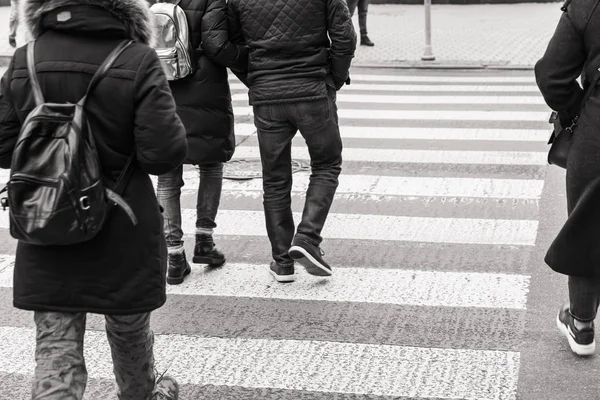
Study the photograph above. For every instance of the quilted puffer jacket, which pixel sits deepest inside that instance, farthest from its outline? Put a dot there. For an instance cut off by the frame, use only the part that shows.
(204, 99)
(296, 48)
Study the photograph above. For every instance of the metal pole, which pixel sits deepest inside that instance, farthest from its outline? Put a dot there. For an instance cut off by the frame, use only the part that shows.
(428, 54)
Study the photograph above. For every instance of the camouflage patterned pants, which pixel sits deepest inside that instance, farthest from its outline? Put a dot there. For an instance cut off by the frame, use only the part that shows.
(61, 374)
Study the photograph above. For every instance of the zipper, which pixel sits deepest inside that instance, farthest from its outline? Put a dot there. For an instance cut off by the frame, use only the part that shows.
(33, 179)
(48, 117)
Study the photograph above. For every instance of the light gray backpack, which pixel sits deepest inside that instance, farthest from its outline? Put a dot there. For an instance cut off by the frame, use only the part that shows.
(174, 45)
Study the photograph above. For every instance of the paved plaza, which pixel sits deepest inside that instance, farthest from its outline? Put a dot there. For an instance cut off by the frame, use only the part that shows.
(501, 35)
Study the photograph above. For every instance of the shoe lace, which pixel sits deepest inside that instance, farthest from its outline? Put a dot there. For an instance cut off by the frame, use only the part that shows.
(159, 395)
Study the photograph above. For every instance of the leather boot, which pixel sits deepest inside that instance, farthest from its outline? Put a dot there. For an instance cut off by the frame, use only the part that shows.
(205, 252)
(365, 41)
(178, 268)
(362, 23)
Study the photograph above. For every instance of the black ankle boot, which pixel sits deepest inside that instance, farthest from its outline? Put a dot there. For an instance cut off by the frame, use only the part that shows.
(205, 252)
(365, 41)
(178, 268)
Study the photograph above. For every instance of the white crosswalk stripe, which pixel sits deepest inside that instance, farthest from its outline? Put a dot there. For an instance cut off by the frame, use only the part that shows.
(421, 156)
(438, 79)
(386, 87)
(434, 115)
(379, 99)
(431, 270)
(326, 367)
(417, 133)
(373, 285)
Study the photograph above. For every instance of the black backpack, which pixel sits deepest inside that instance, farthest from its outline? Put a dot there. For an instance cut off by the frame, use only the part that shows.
(56, 195)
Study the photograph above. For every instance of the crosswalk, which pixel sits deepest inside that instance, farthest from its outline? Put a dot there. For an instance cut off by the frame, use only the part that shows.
(429, 237)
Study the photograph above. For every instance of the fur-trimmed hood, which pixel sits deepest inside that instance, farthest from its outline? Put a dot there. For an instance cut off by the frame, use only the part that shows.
(135, 15)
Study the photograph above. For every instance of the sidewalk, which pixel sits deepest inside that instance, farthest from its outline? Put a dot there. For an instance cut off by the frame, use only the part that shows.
(464, 36)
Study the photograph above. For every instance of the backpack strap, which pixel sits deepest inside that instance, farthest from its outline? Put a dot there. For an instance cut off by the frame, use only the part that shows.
(35, 83)
(104, 68)
(126, 174)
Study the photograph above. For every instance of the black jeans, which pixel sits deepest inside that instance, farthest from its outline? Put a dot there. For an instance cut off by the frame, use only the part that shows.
(209, 196)
(277, 125)
(584, 295)
(363, 6)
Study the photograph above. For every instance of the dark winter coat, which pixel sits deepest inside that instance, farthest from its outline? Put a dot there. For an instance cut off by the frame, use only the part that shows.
(122, 270)
(291, 55)
(203, 99)
(573, 50)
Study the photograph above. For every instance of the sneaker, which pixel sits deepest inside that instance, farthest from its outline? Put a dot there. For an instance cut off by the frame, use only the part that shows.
(167, 388)
(581, 341)
(282, 273)
(178, 268)
(205, 252)
(311, 257)
(12, 41)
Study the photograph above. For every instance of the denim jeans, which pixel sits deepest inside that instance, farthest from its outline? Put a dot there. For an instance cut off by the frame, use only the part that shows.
(60, 371)
(363, 6)
(209, 196)
(584, 295)
(13, 21)
(276, 126)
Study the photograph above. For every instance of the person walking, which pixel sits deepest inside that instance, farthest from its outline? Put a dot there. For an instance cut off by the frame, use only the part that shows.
(574, 50)
(204, 105)
(13, 23)
(293, 74)
(363, 7)
(120, 273)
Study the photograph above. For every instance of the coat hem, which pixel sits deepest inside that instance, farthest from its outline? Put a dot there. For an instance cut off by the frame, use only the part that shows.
(92, 310)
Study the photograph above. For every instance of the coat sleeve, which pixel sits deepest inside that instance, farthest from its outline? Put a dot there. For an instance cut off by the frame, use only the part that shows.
(343, 40)
(159, 135)
(236, 35)
(10, 124)
(557, 71)
(215, 37)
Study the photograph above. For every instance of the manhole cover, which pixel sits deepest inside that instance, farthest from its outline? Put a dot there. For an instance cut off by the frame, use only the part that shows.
(246, 169)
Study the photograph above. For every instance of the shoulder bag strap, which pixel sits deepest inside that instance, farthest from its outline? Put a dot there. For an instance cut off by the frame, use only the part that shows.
(104, 68)
(35, 84)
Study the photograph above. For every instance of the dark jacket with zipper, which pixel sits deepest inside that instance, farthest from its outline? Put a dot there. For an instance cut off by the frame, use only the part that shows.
(574, 50)
(204, 99)
(122, 270)
(297, 48)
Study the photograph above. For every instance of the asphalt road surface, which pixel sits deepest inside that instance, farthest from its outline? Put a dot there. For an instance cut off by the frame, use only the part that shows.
(445, 209)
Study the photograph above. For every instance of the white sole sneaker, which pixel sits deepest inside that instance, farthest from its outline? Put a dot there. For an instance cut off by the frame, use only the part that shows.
(313, 266)
(283, 278)
(579, 349)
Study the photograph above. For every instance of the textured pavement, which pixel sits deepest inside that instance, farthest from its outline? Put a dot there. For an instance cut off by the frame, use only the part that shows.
(503, 35)
(444, 211)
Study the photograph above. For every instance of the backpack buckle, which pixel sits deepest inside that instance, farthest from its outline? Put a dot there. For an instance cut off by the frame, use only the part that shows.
(84, 203)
